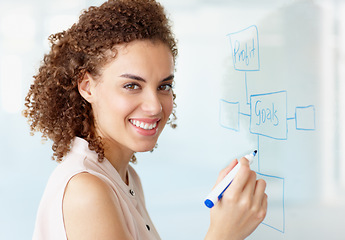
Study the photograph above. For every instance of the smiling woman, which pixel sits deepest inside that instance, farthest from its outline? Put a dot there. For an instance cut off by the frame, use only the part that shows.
(132, 95)
(83, 50)
(102, 93)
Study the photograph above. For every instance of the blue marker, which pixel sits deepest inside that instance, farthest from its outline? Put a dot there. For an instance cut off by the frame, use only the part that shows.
(218, 191)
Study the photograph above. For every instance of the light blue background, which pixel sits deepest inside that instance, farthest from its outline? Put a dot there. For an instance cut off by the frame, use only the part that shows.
(300, 52)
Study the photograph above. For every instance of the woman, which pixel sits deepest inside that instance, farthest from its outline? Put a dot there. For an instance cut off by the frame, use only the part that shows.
(103, 93)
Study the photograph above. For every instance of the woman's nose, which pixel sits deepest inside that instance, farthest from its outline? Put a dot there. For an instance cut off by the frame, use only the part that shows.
(152, 104)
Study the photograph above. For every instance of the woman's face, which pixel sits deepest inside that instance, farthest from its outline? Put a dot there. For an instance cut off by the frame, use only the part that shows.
(132, 99)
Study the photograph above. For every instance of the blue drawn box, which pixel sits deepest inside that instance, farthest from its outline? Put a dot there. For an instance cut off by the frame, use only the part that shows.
(245, 49)
(275, 190)
(229, 115)
(305, 118)
(268, 115)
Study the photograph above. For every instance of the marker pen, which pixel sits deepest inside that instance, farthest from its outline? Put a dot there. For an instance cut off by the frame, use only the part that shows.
(217, 193)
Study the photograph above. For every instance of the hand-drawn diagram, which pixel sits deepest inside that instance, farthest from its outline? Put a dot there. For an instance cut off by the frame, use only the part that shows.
(268, 115)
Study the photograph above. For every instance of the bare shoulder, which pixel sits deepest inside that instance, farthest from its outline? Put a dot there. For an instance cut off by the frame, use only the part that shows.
(90, 210)
(85, 187)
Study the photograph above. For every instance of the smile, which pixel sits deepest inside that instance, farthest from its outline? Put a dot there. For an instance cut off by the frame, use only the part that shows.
(143, 125)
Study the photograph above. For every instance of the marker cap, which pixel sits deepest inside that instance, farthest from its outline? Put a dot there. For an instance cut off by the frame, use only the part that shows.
(209, 203)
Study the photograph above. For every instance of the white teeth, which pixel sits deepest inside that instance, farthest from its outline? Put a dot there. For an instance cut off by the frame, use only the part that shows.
(143, 125)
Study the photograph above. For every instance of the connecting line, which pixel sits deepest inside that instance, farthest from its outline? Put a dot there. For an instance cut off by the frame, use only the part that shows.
(244, 114)
(245, 79)
(291, 118)
(282, 231)
(258, 153)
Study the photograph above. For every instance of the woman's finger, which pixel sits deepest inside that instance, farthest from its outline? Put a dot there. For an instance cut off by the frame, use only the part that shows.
(250, 187)
(259, 192)
(260, 199)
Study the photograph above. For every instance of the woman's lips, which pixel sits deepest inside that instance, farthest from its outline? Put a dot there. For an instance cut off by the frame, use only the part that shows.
(146, 127)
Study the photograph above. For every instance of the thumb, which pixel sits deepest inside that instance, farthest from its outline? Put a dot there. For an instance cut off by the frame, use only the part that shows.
(225, 171)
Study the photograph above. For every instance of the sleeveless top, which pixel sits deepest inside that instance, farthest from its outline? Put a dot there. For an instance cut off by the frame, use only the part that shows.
(49, 221)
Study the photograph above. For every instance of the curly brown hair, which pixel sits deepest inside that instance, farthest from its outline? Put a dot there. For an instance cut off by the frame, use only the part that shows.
(53, 104)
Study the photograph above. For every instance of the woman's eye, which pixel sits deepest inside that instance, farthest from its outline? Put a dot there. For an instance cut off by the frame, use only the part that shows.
(132, 86)
(165, 87)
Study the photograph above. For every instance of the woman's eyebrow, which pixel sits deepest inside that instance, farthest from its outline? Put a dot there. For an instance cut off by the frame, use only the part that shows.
(138, 78)
(171, 77)
(132, 76)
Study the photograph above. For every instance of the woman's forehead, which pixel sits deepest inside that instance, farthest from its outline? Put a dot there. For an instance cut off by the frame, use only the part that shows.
(140, 58)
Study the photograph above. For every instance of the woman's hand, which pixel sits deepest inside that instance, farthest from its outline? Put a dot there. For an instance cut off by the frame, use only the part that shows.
(243, 205)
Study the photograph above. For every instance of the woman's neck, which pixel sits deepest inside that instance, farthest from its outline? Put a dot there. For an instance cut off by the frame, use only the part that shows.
(119, 159)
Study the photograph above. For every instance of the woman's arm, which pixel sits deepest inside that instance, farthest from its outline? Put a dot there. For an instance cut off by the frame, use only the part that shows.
(242, 208)
(89, 211)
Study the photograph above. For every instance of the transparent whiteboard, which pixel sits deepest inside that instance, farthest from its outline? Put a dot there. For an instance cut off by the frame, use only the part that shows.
(266, 75)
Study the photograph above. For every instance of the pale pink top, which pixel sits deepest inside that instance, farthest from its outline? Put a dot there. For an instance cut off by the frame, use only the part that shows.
(130, 198)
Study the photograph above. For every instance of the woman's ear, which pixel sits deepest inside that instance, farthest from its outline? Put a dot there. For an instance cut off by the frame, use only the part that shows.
(84, 87)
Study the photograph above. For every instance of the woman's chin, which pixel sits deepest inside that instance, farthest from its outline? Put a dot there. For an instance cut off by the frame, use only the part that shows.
(146, 148)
